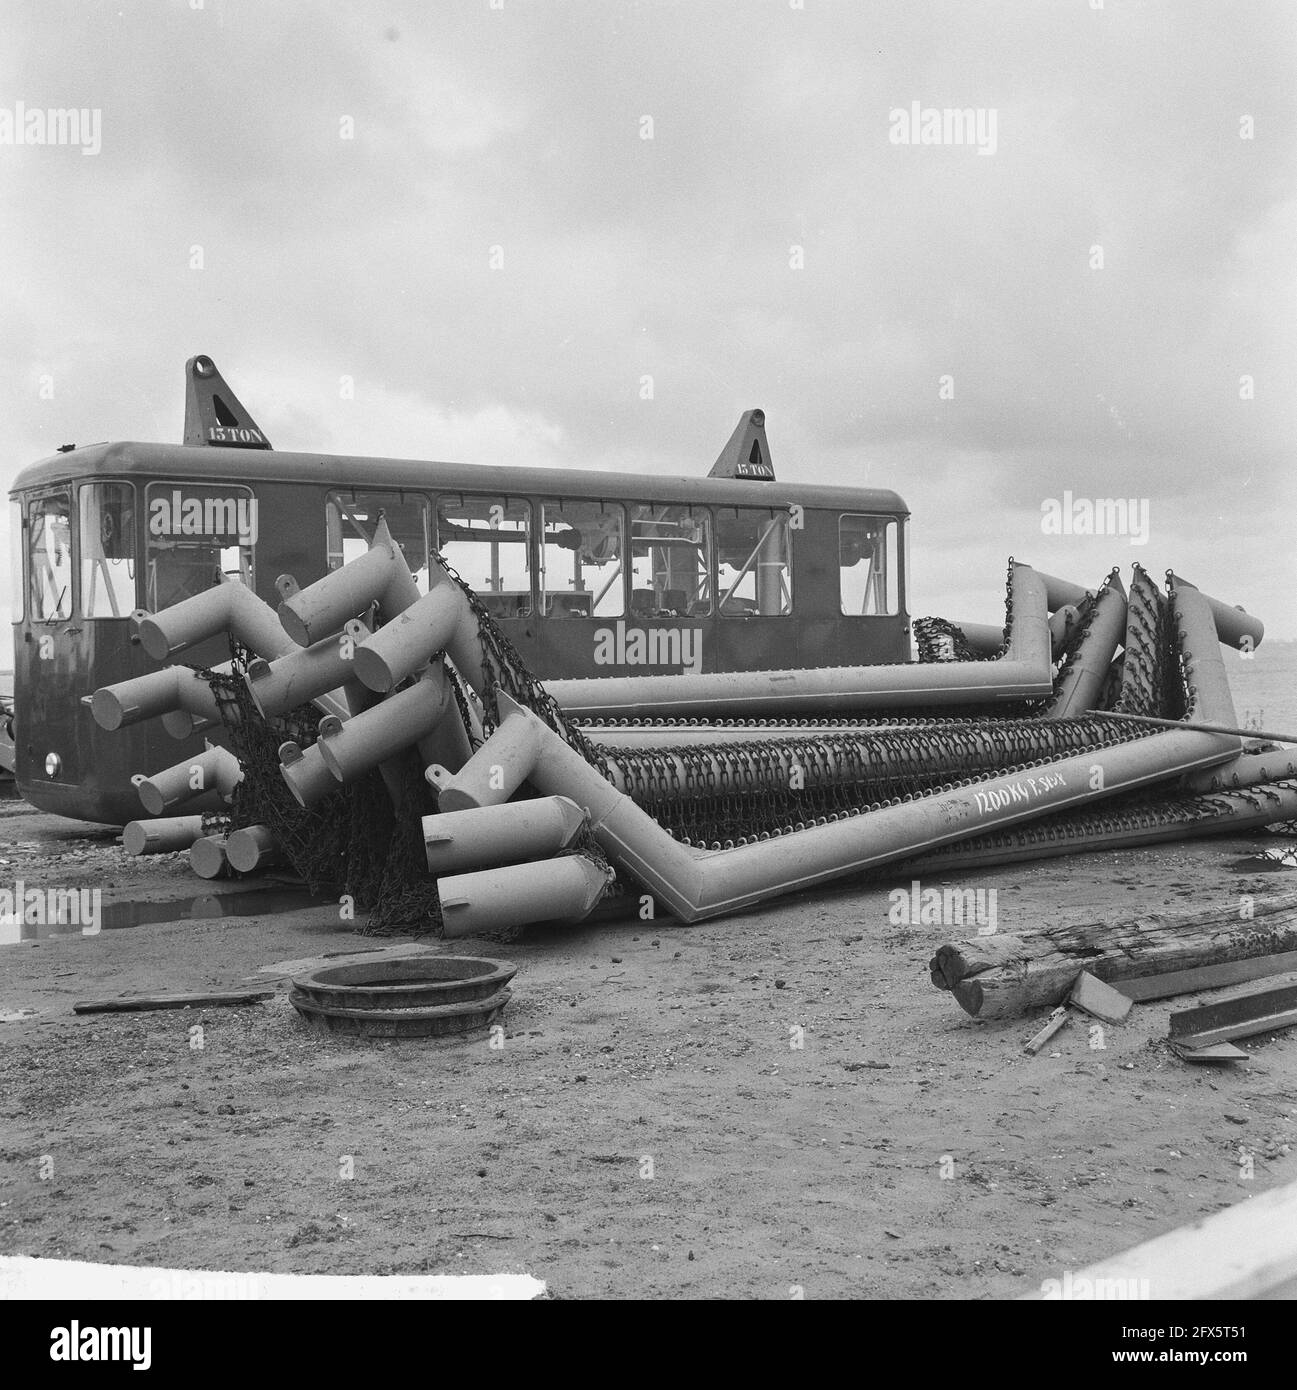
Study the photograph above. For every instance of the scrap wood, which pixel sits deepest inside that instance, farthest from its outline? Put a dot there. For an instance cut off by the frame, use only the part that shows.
(1230, 972)
(1057, 1020)
(1218, 1052)
(1098, 1000)
(1243, 1016)
(139, 1003)
(1005, 976)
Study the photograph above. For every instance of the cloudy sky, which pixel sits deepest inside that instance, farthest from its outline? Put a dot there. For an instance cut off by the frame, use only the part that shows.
(455, 205)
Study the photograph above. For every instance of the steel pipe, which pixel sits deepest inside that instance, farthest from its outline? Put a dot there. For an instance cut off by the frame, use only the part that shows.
(207, 857)
(306, 774)
(380, 576)
(498, 768)
(364, 741)
(1025, 671)
(214, 769)
(228, 607)
(172, 689)
(1061, 622)
(441, 619)
(1082, 683)
(252, 848)
(161, 836)
(692, 885)
(1059, 593)
(1234, 626)
(550, 890)
(321, 673)
(514, 833)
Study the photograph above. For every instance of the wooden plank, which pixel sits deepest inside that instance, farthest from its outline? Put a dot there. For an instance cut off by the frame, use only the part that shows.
(1219, 1052)
(1249, 1028)
(1098, 1000)
(139, 1003)
(1230, 972)
(1058, 1019)
(1262, 1011)
(1248, 1250)
(1039, 969)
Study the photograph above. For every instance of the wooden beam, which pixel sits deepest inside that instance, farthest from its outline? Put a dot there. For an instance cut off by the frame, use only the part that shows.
(1098, 1000)
(140, 1003)
(1230, 972)
(1244, 1016)
(1057, 1020)
(1217, 1052)
(1004, 976)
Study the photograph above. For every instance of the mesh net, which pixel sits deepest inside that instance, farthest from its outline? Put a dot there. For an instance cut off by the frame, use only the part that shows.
(364, 842)
(360, 844)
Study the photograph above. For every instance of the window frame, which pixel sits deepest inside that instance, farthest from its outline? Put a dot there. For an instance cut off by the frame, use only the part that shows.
(193, 484)
(892, 560)
(402, 497)
(543, 596)
(706, 573)
(134, 558)
(775, 516)
(67, 491)
(531, 563)
(18, 562)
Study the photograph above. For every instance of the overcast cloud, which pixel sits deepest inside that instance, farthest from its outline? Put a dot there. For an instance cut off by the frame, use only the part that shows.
(674, 257)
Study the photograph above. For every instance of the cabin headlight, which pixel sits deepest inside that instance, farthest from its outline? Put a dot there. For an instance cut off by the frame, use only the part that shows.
(53, 765)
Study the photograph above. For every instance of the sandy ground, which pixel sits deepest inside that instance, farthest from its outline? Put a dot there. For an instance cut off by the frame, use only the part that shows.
(649, 1128)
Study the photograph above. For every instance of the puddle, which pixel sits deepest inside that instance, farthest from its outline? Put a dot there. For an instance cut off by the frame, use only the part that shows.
(75, 915)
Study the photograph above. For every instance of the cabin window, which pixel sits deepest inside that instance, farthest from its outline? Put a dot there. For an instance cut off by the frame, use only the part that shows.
(671, 561)
(351, 518)
(581, 569)
(17, 591)
(107, 536)
(867, 560)
(487, 542)
(754, 563)
(196, 532)
(49, 557)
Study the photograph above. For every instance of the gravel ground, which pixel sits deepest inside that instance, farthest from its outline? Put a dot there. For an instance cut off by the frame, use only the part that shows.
(771, 1103)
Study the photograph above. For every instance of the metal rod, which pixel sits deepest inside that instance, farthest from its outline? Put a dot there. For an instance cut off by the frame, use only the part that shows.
(1197, 728)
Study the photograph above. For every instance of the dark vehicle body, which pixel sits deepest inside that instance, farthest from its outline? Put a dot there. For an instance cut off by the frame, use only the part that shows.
(589, 574)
